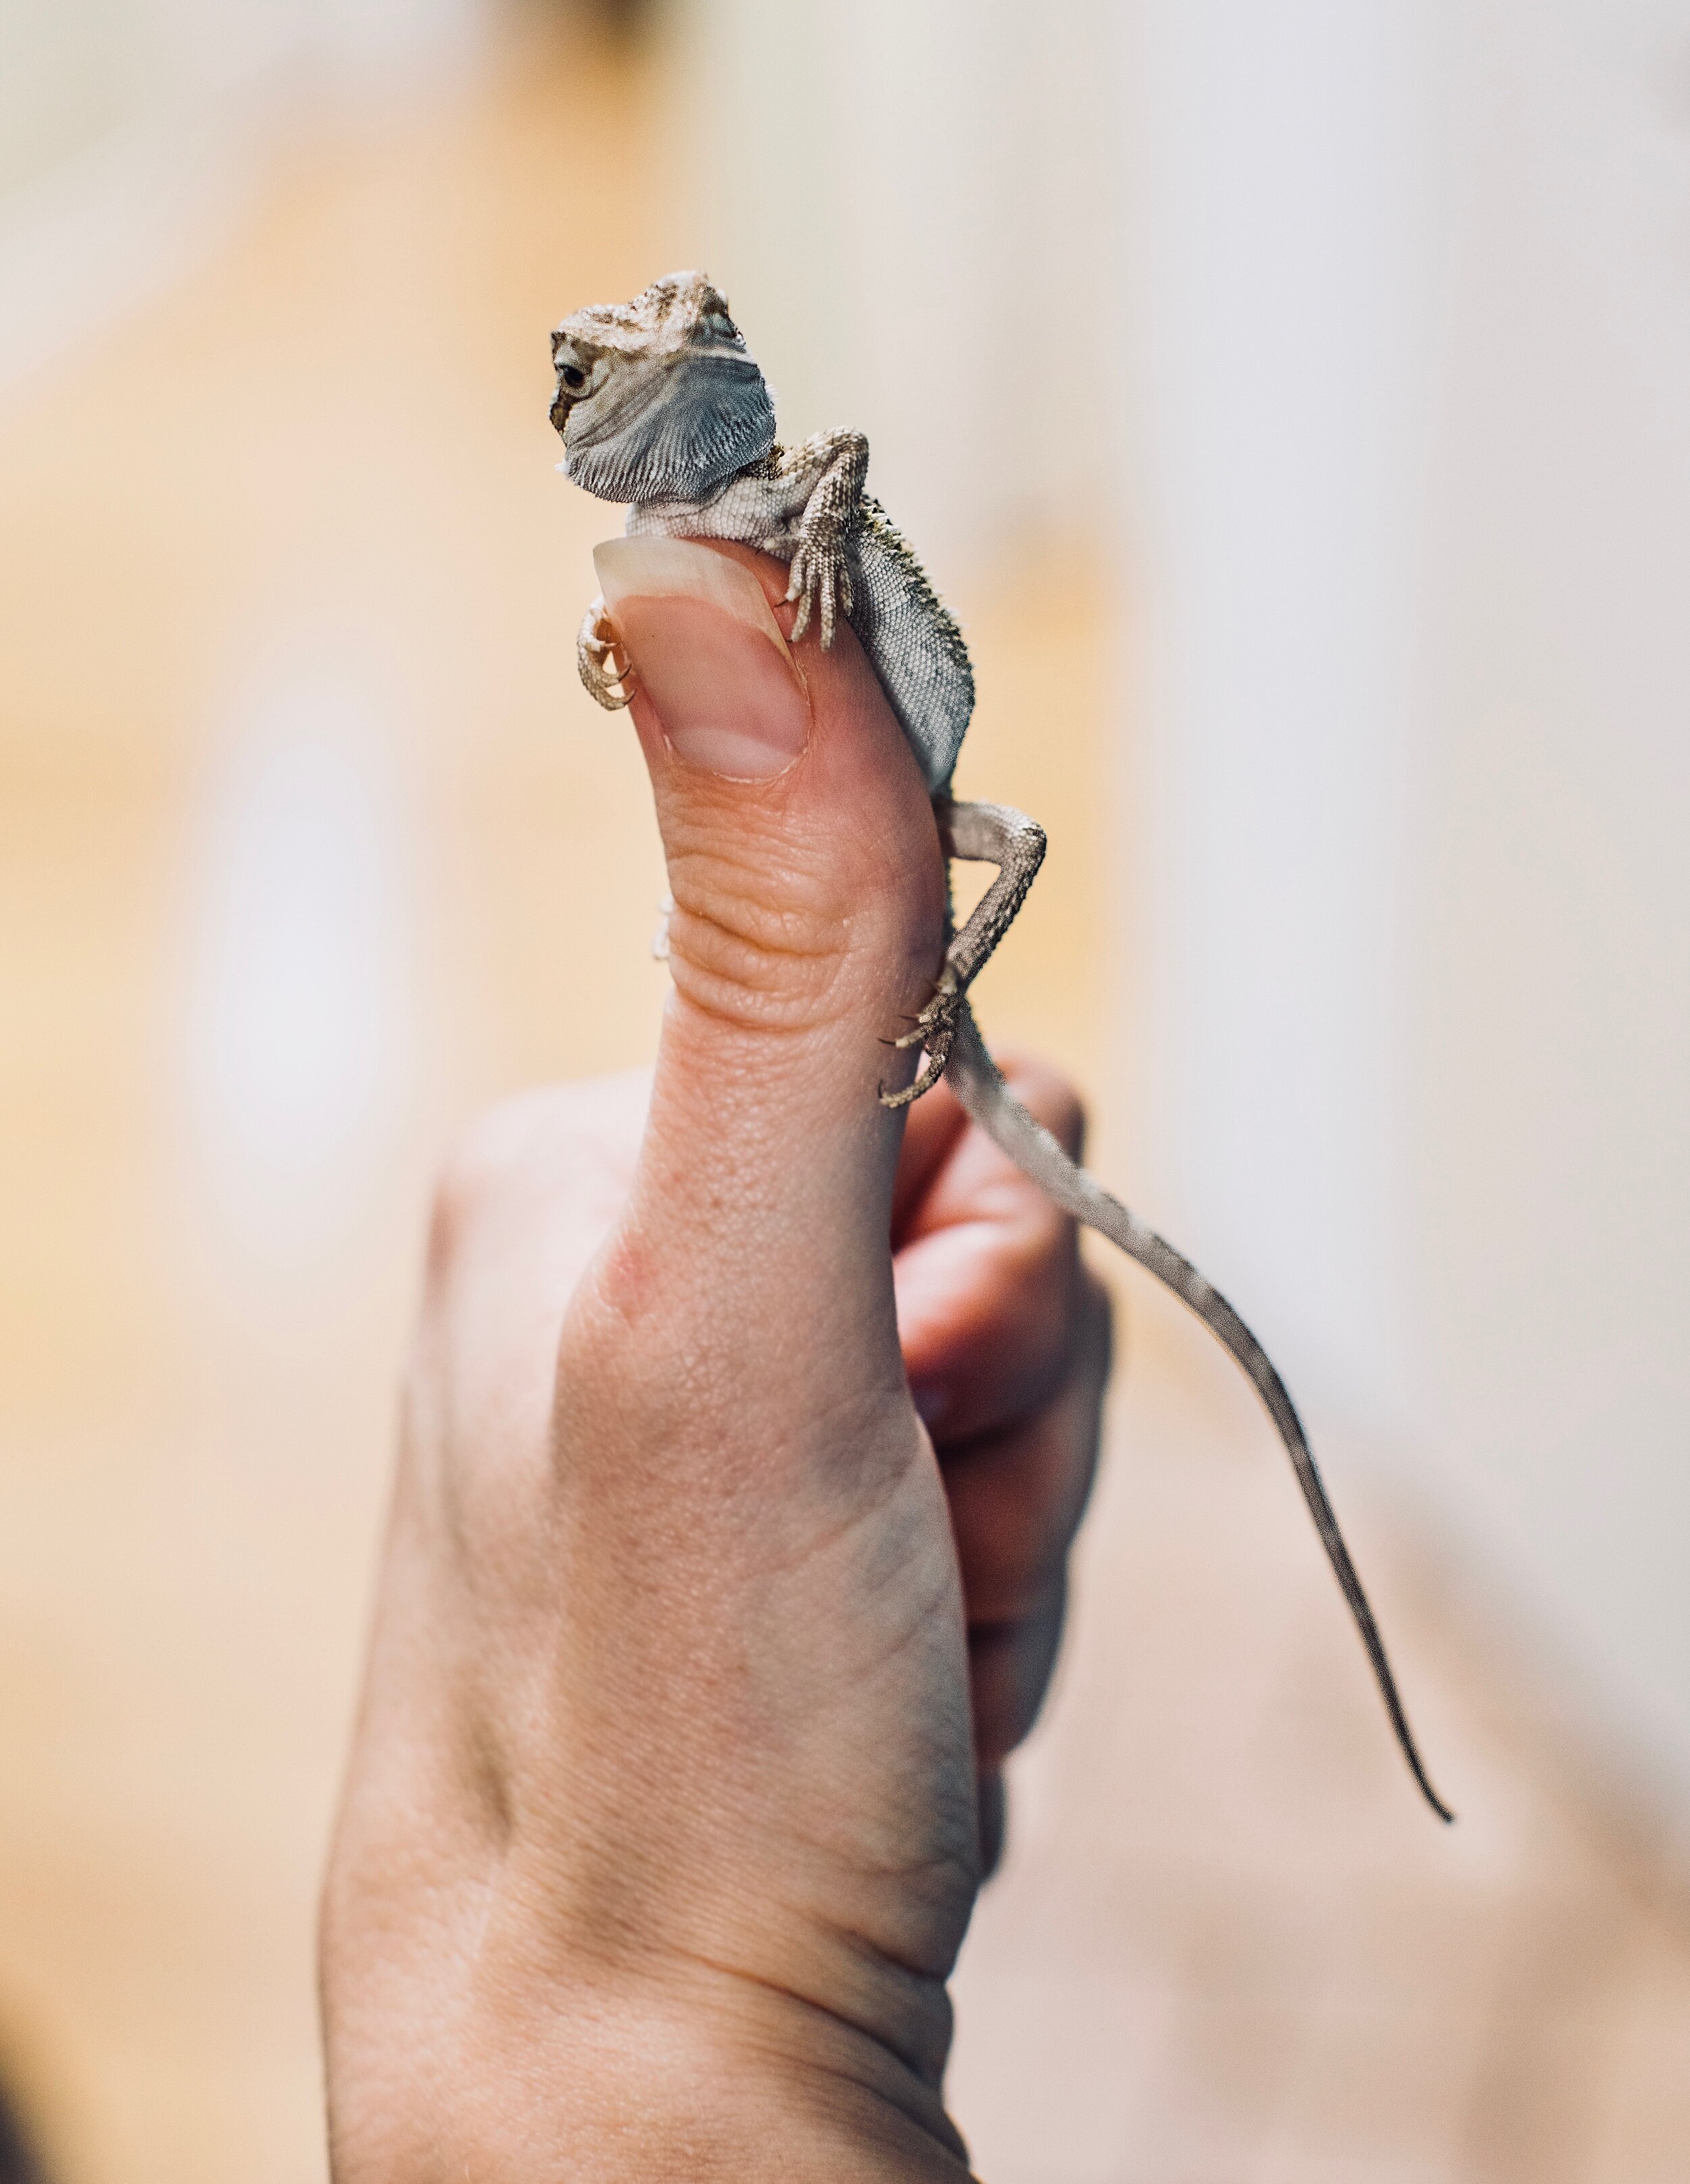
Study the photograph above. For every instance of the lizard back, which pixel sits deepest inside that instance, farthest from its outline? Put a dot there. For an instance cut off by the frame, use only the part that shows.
(915, 642)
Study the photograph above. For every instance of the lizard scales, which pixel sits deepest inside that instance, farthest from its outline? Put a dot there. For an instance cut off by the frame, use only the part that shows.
(660, 406)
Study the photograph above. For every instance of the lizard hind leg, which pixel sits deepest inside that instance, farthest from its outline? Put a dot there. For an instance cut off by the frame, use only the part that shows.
(989, 833)
(607, 672)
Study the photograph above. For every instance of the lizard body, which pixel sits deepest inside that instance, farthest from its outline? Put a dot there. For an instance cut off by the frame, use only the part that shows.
(660, 406)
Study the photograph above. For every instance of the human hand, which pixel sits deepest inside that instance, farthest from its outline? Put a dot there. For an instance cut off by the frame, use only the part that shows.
(666, 1814)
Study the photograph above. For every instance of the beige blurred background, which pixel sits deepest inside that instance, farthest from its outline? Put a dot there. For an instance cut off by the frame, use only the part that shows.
(1295, 401)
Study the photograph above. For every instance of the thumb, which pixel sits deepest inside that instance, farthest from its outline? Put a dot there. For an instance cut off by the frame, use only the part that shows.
(809, 895)
(762, 1641)
(806, 879)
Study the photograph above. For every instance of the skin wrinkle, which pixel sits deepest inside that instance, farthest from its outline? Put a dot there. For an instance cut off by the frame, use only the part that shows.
(931, 1872)
(854, 2040)
(919, 1987)
(762, 834)
(950, 2141)
(788, 934)
(910, 2056)
(720, 983)
(720, 931)
(758, 872)
(916, 2097)
(738, 1815)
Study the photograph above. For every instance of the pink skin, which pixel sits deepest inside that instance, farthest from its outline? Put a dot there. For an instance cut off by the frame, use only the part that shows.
(693, 1671)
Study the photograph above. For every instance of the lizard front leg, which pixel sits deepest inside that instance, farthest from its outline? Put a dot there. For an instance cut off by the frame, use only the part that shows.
(606, 671)
(989, 833)
(819, 572)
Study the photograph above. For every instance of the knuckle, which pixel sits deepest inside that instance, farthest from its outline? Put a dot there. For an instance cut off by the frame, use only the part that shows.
(766, 964)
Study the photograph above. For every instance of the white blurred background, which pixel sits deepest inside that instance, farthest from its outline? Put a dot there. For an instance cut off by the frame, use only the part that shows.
(1362, 338)
(1296, 399)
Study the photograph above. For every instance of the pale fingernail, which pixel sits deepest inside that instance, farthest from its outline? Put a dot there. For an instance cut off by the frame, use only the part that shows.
(709, 653)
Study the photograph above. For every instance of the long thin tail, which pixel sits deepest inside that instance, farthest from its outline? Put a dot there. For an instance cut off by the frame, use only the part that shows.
(988, 1099)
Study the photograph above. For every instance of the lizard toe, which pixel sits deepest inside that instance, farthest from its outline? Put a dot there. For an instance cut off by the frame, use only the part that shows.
(938, 1056)
(937, 1021)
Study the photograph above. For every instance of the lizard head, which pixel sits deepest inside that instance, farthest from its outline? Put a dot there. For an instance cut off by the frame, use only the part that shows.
(658, 399)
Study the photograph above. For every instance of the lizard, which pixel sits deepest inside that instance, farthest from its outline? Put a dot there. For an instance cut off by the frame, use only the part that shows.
(661, 407)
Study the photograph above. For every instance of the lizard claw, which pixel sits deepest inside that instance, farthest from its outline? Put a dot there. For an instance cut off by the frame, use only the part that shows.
(802, 591)
(938, 1021)
(938, 1055)
(820, 579)
(935, 1029)
(607, 672)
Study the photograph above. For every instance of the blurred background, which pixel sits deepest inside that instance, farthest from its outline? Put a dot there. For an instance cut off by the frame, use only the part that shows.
(1294, 399)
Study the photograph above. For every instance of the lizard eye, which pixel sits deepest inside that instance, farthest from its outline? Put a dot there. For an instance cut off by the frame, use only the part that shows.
(573, 377)
(718, 326)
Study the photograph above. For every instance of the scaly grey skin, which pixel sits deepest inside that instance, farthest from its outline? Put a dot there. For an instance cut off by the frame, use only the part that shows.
(659, 405)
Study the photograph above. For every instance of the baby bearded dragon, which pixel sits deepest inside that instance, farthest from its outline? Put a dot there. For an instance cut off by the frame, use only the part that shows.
(660, 406)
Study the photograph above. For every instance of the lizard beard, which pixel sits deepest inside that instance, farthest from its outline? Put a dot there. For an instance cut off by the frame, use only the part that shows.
(678, 435)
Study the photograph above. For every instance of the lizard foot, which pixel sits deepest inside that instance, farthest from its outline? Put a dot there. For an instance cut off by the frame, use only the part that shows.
(935, 1029)
(938, 1021)
(607, 672)
(820, 579)
(938, 1055)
